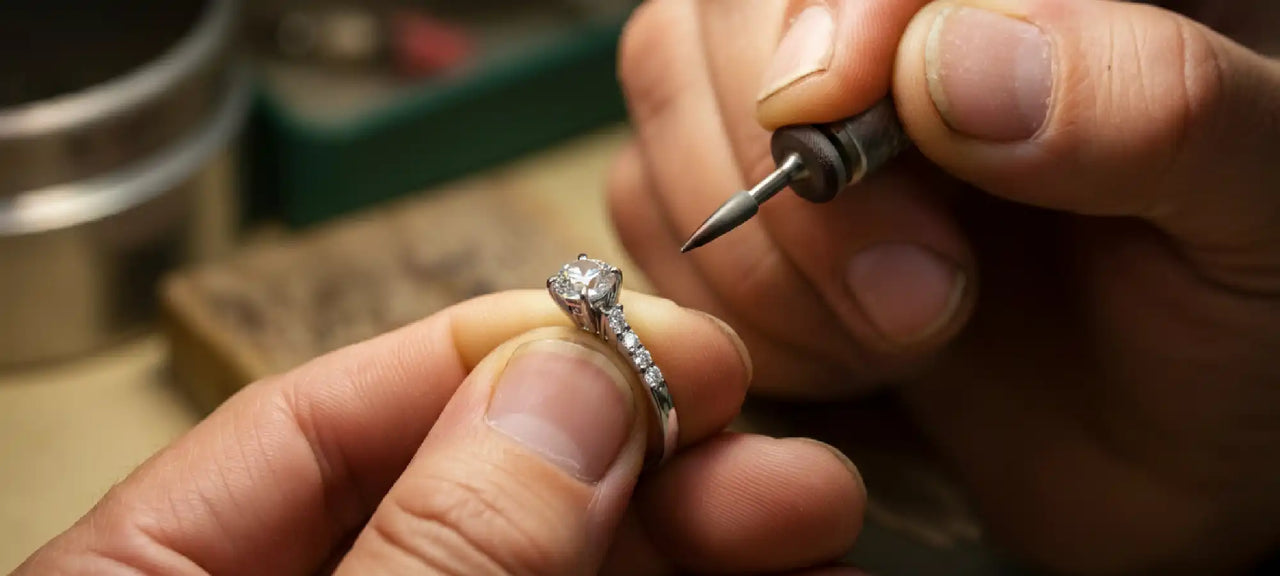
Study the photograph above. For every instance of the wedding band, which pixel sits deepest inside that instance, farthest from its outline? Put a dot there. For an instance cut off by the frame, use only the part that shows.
(587, 290)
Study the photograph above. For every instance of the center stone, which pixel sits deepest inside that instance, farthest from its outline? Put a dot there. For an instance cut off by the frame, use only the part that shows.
(591, 277)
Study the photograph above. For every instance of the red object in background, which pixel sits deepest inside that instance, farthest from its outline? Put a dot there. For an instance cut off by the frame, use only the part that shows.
(424, 46)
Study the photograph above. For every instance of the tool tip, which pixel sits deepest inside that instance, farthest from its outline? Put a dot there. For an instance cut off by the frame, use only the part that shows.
(738, 209)
(697, 239)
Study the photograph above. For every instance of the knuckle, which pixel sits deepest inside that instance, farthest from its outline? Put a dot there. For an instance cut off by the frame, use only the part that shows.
(1172, 80)
(647, 50)
(1201, 86)
(469, 526)
(1153, 82)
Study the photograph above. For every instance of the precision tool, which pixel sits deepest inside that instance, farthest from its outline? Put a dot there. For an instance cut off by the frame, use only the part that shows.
(817, 162)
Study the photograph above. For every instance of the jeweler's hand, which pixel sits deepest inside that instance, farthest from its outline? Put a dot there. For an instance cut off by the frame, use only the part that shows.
(1075, 280)
(475, 442)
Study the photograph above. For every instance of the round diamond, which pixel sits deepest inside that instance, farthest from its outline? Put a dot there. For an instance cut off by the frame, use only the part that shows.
(642, 358)
(617, 321)
(653, 376)
(591, 277)
(630, 341)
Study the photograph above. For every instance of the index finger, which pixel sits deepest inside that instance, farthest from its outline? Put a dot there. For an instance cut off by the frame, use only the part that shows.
(285, 470)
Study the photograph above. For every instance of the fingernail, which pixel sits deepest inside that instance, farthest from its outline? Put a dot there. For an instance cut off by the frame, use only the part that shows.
(990, 75)
(906, 291)
(805, 50)
(567, 403)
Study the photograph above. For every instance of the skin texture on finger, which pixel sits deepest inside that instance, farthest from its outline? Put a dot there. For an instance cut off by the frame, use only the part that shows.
(691, 168)
(527, 494)
(1146, 114)
(751, 504)
(281, 472)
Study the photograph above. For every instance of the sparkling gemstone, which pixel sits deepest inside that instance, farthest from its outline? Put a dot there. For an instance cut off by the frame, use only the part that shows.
(561, 286)
(591, 277)
(630, 341)
(642, 358)
(617, 321)
(653, 376)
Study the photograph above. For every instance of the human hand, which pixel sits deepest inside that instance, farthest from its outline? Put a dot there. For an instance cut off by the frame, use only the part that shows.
(490, 438)
(1074, 282)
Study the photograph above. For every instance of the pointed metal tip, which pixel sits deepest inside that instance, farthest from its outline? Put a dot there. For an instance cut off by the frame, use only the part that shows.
(699, 238)
(733, 213)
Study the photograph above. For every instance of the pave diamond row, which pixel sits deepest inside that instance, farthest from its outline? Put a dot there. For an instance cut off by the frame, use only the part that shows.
(630, 344)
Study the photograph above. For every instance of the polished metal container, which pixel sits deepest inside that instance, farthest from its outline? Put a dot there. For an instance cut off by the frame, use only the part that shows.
(118, 126)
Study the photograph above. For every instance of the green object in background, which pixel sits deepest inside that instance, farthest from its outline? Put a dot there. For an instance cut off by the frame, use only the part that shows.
(303, 171)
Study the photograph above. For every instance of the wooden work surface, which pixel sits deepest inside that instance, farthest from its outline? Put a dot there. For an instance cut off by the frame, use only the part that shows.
(68, 432)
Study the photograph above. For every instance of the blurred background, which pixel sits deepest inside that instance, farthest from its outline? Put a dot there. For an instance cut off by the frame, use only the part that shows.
(195, 194)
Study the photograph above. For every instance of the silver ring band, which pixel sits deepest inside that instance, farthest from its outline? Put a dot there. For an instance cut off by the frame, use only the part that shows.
(587, 290)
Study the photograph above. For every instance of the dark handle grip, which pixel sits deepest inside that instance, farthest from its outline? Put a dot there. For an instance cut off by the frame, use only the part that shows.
(869, 139)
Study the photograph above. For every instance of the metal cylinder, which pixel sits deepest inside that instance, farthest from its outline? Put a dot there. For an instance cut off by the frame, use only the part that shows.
(115, 173)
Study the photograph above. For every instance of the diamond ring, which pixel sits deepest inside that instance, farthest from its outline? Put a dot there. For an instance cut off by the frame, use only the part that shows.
(587, 290)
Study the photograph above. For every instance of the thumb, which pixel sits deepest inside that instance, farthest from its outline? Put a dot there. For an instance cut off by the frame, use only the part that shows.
(1101, 108)
(527, 471)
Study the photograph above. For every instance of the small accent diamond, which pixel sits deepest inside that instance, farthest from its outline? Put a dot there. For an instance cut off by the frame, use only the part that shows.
(653, 376)
(642, 358)
(561, 286)
(617, 321)
(630, 341)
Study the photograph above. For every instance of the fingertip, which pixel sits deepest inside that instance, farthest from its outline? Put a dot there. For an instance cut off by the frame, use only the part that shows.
(908, 293)
(841, 458)
(855, 73)
(747, 502)
(913, 88)
(1099, 108)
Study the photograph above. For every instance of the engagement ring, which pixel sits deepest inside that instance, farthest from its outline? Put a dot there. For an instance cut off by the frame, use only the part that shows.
(587, 290)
